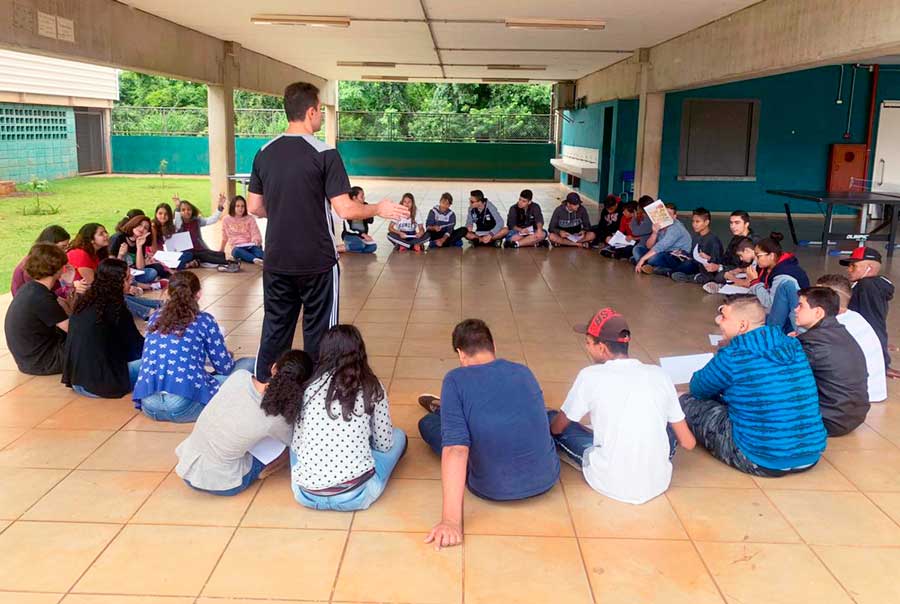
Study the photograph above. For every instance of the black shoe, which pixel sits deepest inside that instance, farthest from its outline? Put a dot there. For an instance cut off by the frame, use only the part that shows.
(510, 243)
(496, 243)
(430, 402)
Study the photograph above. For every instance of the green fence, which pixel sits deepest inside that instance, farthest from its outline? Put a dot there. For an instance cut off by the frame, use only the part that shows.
(190, 155)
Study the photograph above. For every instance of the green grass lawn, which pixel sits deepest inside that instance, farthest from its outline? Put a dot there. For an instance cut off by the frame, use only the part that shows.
(87, 199)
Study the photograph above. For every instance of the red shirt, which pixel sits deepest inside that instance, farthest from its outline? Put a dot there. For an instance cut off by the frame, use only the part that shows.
(81, 259)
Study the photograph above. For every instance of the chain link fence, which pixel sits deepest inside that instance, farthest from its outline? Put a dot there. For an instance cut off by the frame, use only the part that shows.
(444, 127)
(352, 125)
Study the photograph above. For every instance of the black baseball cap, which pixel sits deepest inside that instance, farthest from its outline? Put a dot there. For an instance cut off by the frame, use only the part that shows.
(862, 253)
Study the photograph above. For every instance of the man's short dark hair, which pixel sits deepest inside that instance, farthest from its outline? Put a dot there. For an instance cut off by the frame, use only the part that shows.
(822, 297)
(671, 206)
(477, 194)
(472, 336)
(703, 213)
(44, 260)
(526, 194)
(840, 284)
(355, 191)
(631, 206)
(299, 97)
(619, 349)
(743, 215)
(645, 201)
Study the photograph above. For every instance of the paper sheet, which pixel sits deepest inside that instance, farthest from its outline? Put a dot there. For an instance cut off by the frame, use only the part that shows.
(697, 257)
(729, 289)
(170, 259)
(527, 231)
(179, 242)
(658, 213)
(681, 368)
(574, 238)
(135, 272)
(618, 240)
(715, 338)
(482, 233)
(267, 450)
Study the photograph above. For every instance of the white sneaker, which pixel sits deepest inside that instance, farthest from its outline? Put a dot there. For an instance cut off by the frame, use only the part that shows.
(208, 265)
(711, 288)
(258, 261)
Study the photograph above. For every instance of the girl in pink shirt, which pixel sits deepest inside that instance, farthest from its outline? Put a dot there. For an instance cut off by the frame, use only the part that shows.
(240, 230)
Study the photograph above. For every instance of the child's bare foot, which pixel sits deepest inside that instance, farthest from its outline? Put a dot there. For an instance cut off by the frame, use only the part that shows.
(892, 374)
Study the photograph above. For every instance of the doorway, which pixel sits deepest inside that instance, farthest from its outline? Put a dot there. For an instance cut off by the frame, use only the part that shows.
(90, 141)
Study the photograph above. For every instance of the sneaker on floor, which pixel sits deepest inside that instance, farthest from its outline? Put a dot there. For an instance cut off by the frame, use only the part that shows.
(209, 265)
(647, 269)
(662, 272)
(683, 277)
(258, 261)
(496, 243)
(711, 288)
(510, 243)
(430, 402)
(231, 267)
(564, 457)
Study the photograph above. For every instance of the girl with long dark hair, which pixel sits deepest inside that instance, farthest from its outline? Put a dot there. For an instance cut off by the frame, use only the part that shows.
(408, 233)
(103, 348)
(132, 245)
(188, 220)
(345, 446)
(173, 384)
(216, 456)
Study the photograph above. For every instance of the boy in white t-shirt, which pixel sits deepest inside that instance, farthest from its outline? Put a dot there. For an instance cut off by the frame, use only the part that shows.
(635, 416)
(863, 333)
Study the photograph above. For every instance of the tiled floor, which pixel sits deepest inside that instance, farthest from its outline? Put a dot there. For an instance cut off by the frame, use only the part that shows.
(91, 512)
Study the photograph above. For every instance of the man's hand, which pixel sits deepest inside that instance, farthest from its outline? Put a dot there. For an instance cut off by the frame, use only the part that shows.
(81, 287)
(390, 210)
(485, 239)
(445, 534)
(123, 249)
(638, 266)
(655, 228)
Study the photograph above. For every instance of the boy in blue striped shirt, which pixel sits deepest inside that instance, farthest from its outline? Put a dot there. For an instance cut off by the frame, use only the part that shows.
(755, 405)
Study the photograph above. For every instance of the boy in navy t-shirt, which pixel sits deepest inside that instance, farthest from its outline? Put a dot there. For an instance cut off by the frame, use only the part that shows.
(490, 428)
(440, 225)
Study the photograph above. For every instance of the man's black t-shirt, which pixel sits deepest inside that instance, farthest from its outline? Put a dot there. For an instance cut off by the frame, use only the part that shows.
(34, 340)
(297, 175)
(531, 216)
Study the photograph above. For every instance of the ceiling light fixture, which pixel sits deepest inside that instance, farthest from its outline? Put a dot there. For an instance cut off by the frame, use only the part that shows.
(502, 67)
(585, 24)
(386, 78)
(505, 80)
(365, 64)
(306, 20)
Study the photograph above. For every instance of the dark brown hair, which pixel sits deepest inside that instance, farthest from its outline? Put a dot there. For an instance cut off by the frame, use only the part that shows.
(342, 354)
(772, 244)
(471, 336)
(448, 197)
(53, 234)
(161, 231)
(106, 292)
(840, 284)
(822, 297)
(84, 239)
(233, 203)
(128, 227)
(284, 394)
(181, 307)
(44, 260)
(299, 98)
(412, 209)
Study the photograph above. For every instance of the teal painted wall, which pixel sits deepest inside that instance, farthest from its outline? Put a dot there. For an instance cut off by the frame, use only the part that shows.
(586, 130)
(190, 155)
(799, 120)
(505, 161)
(37, 141)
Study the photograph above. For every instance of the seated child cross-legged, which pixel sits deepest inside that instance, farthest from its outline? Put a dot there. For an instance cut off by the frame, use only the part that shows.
(525, 222)
(355, 233)
(837, 361)
(440, 225)
(635, 416)
(863, 333)
(490, 428)
(216, 456)
(408, 234)
(755, 406)
(707, 249)
(173, 384)
(345, 446)
(241, 231)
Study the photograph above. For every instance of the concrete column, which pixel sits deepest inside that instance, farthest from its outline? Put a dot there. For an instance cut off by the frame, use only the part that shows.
(107, 140)
(649, 144)
(331, 125)
(220, 112)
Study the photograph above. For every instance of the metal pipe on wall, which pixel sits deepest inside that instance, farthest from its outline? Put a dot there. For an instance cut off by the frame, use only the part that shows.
(840, 93)
(850, 104)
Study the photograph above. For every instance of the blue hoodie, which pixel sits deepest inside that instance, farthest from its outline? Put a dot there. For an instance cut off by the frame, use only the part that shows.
(773, 403)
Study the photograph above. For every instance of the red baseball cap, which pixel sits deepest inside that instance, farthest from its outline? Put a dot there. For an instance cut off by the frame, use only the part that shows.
(861, 253)
(607, 325)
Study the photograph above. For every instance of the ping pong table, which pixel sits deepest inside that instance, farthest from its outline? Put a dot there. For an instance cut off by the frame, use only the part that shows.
(854, 199)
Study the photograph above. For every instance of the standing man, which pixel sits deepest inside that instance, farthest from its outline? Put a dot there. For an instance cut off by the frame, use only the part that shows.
(296, 180)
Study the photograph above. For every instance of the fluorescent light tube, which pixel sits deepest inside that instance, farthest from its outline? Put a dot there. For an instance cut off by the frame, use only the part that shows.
(586, 24)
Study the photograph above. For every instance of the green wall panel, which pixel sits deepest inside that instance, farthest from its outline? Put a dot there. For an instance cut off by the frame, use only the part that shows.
(37, 141)
(510, 161)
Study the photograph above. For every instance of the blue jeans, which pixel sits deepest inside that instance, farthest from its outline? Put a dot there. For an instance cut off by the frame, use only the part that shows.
(249, 478)
(149, 275)
(430, 430)
(669, 263)
(141, 308)
(248, 253)
(363, 495)
(576, 439)
(134, 368)
(782, 314)
(638, 252)
(166, 407)
(354, 243)
(185, 258)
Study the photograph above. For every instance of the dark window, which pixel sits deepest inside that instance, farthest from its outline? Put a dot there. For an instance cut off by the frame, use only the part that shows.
(718, 139)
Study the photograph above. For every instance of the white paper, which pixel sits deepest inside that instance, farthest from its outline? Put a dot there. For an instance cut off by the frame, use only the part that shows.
(135, 272)
(697, 257)
(179, 242)
(658, 213)
(267, 450)
(618, 240)
(715, 338)
(46, 25)
(681, 368)
(729, 289)
(482, 233)
(574, 238)
(527, 231)
(65, 29)
(170, 259)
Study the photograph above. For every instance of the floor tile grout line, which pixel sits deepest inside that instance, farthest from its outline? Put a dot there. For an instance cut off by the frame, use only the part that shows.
(584, 564)
(863, 492)
(337, 571)
(696, 549)
(230, 539)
